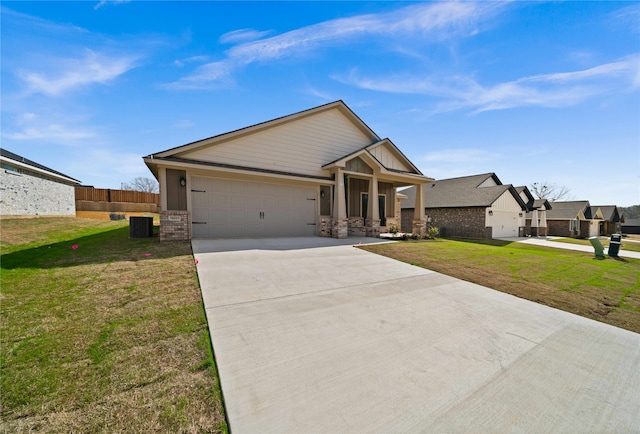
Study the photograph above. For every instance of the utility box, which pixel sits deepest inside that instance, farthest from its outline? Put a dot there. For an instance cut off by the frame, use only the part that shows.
(614, 245)
(598, 247)
(140, 227)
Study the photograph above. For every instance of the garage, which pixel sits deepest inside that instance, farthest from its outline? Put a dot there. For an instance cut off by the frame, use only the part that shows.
(224, 208)
(504, 224)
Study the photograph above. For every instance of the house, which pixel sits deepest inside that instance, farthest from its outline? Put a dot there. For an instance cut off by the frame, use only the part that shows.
(576, 219)
(477, 206)
(536, 217)
(630, 226)
(612, 220)
(31, 189)
(309, 173)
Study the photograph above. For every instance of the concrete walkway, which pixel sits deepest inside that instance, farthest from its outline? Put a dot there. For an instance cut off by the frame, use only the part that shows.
(315, 336)
(547, 242)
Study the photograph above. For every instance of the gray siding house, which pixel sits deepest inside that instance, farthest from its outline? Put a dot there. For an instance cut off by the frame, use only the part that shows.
(28, 188)
(314, 172)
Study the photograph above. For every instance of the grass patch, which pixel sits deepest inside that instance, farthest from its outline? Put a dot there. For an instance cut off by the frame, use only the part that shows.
(604, 290)
(101, 332)
(630, 245)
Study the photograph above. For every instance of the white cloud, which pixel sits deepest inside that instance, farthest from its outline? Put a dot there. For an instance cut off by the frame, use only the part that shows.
(74, 73)
(628, 16)
(434, 21)
(561, 89)
(109, 2)
(193, 59)
(48, 128)
(51, 132)
(242, 35)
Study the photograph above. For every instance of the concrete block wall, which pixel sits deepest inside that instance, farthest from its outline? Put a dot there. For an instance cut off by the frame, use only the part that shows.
(175, 226)
(28, 193)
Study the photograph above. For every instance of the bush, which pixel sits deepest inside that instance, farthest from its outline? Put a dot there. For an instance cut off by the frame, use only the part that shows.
(433, 232)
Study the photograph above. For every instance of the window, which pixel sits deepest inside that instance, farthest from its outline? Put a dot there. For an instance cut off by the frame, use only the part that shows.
(382, 210)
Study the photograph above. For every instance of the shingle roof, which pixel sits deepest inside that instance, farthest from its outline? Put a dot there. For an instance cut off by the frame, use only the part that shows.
(461, 192)
(567, 210)
(17, 158)
(610, 212)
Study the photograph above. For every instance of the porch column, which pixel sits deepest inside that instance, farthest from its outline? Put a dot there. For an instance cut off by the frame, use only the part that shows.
(419, 222)
(534, 223)
(372, 222)
(339, 222)
(542, 228)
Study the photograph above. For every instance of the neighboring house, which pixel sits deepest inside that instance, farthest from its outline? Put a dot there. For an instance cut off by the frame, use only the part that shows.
(576, 219)
(536, 217)
(612, 219)
(477, 206)
(631, 226)
(31, 189)
(309, 173)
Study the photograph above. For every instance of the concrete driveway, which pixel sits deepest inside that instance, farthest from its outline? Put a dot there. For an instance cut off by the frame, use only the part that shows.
(314, 335)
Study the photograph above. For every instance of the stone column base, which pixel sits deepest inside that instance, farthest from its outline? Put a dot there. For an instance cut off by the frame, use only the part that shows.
(339, 228)
(419, 227)
(372, 227)
(175, 226)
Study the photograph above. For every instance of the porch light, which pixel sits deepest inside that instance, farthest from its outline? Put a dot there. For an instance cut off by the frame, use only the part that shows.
(519, 214)
(183, 181)
(490, 212)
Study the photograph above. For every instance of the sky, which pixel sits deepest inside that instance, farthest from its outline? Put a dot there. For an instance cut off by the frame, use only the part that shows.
(532, 91)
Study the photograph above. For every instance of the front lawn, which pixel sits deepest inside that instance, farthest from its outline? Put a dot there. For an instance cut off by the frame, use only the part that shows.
(100, 332)
(605, 290)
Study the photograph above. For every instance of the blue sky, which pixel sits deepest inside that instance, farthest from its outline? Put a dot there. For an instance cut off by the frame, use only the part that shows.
(532, 91)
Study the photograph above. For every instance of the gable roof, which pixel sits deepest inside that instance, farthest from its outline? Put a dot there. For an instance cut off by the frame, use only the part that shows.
(340, 105)
(611, 213)
(463, 192)
(24, 163)
(533, 203)
(568, 210)
(368, 151)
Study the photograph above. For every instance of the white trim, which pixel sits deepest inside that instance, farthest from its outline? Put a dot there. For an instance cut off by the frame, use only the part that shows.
(38, 170)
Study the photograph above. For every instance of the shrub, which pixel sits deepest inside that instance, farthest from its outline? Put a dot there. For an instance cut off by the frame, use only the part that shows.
(433, 232)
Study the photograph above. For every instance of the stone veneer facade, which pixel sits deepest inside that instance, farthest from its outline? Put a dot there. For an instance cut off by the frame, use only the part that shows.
(340, 228)
(452, 222)
(27, 193)
(175, 226)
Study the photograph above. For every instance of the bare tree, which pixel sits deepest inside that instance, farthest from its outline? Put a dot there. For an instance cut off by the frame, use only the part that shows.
(148, 185)
(549, 191)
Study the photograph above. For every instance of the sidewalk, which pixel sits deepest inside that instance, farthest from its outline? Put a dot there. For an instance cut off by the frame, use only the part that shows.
(546, 242)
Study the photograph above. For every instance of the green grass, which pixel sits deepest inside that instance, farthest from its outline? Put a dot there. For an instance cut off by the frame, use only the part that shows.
(108, 336)
(625, 245)
(605, 290)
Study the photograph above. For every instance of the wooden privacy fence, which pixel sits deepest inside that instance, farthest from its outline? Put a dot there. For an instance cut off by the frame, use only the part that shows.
(105, 199)
(108, 195)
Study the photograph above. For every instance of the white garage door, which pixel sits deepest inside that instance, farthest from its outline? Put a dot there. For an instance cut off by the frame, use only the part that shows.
(505, 224)
(236, 209)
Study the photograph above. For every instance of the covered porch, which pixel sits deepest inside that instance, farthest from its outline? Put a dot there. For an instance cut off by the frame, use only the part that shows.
(364, 198)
